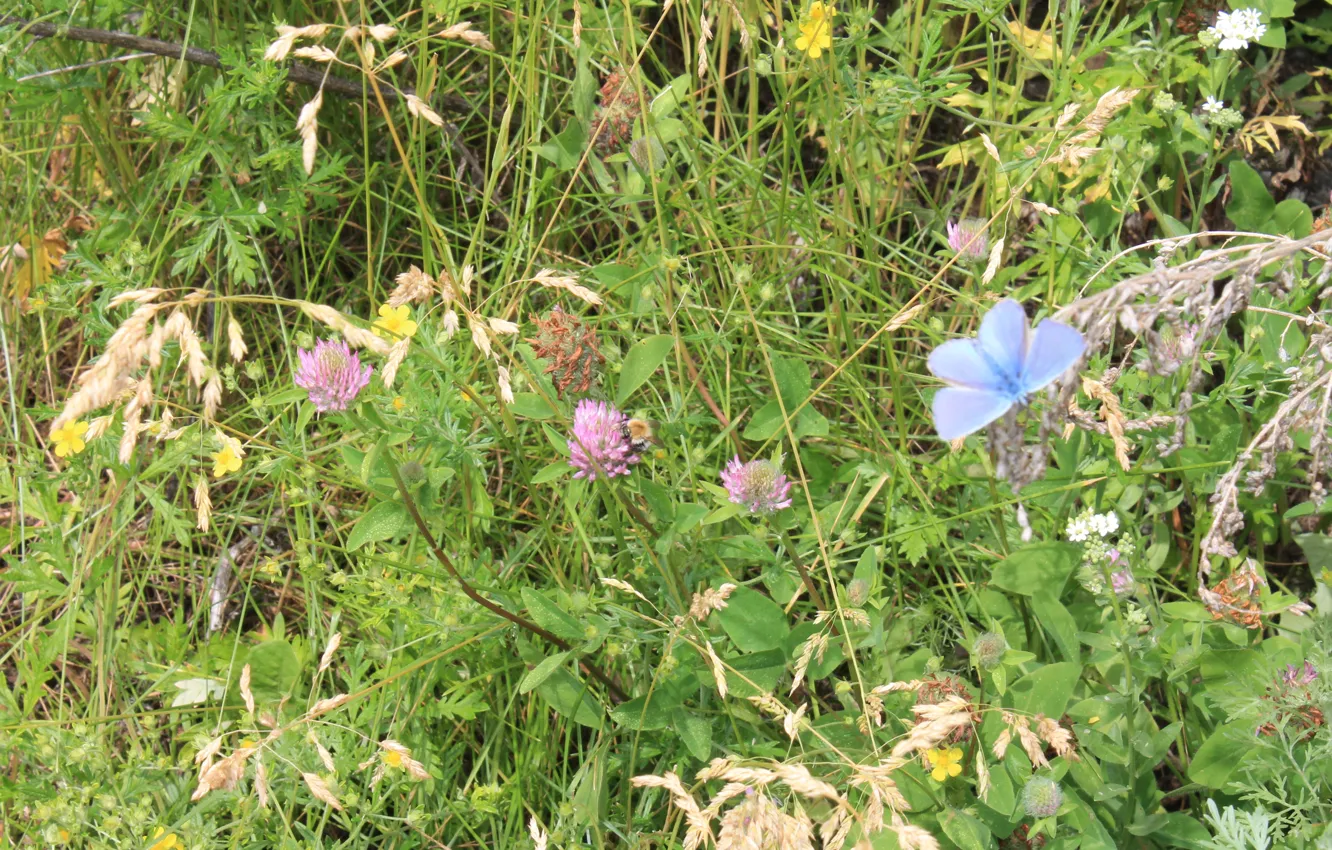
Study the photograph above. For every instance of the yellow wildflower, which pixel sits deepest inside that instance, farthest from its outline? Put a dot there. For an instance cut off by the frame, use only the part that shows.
(399, 404)
(225, 461)
(68, 438)
(395, 321)
(165, 842)
(392, 758)
(946, 763)
(816, 29)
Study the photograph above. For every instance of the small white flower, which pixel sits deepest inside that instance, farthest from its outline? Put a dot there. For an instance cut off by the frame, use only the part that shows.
(1234, 30)
(1105, 524)
(1213, 106)
(1078, 530)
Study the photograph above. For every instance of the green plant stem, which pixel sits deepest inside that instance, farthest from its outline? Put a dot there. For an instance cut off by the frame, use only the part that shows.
(591, 669)
(805, 577)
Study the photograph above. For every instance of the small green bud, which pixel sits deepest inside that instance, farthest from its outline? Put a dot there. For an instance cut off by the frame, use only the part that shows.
(1228, 118)
(988, 650)
(857, 592)
(1041, 797)
(1164, 101)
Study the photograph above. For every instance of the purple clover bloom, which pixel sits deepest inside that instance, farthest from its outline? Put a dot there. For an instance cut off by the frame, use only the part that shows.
(967, 237)
(599, 445)
(332, 374)
(1299, 675)
(759, 485)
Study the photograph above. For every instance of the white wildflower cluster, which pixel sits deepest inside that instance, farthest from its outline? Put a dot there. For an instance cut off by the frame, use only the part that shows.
(1103, 558)
(1087, 525)
(1234, 30)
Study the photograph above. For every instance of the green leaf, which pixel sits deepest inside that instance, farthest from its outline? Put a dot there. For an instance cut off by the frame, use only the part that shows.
(967, 832)
(198, 691)
(1171, 226)
(590, 789)
(696, 732)
(1003, 796)
(644, 358)
(381, 522)
(570, 698)
(542, 671)
(1183, 831)
(1317, 550)
(671, 97)
(273, 670)
(763, 669)
(769, 418)
(1250, 207)
(1040, 567)
(303, 418)
(1220, 754)
(552, 472)
(658, 499)
(688, 515)
(1047, 690)
(284, 397)
(793, 385)
(531, 406)
(566, 149)
(549, 617)
(1292, 218)
(1275, 37)
(558, 441)
(753, 621)
(723, 513)
(914, 547)
(1056, 620)
(644, 714)
(1083, 818)
(1273, 9)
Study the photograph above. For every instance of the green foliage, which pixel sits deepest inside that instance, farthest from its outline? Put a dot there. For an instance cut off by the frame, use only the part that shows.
(292, 653)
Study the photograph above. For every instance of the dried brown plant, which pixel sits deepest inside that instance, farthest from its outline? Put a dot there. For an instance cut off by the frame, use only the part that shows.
(570, 346)
(1176, 311)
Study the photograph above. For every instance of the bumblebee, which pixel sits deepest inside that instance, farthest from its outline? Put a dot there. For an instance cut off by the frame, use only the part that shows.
(641, 434)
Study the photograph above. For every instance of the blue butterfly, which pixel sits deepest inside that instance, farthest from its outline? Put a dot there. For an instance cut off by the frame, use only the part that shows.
(999, 368)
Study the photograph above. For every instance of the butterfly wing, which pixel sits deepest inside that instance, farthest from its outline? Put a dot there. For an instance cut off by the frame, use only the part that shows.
(1003, 338)
(960, 361)
(1054, 348)
(959, 411)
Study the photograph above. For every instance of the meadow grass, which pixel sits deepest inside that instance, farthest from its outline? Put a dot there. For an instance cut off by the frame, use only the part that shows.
(787, 243)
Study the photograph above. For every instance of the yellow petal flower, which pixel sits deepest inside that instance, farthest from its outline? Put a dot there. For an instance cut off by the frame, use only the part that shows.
(225, 461)
(392, 758)
(816, 30)
(68, 438)
(395, 321)
(168, 842)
